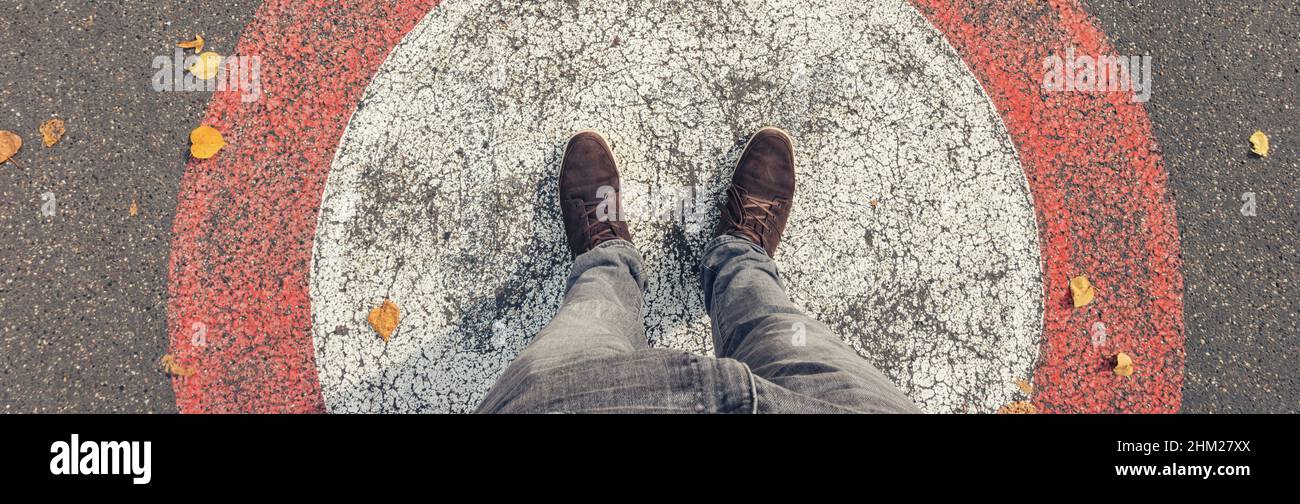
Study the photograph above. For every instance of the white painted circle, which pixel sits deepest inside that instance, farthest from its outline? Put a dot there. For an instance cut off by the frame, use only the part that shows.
(442, 194)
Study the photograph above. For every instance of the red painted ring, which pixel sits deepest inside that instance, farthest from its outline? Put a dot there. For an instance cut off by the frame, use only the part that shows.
(246, 219)
(1098, 182)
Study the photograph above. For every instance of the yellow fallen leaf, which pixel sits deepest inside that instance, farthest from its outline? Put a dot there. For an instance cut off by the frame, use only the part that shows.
(1259, 143)
(1025, 386)
(207, 65)
(134, 209)
(1123, 364)
(172, 367)
(384, 318)
(10, 142)
(205, 141)
(196, 44)
(1018, 408)
(1081, 290)
(51, 132)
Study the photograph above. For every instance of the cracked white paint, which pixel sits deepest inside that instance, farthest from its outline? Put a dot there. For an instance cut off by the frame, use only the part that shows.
(442, 193)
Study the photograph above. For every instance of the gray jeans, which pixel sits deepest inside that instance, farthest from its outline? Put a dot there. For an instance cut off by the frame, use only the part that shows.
(771, 357)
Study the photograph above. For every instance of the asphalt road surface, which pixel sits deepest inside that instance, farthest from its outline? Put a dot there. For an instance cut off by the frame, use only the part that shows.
(1223, 70)
(83, 293)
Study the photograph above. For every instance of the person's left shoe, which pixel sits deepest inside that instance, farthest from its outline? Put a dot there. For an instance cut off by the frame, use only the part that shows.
(589, 194)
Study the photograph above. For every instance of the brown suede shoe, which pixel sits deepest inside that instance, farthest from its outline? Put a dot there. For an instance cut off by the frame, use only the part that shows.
(587, 167)
(762, 190)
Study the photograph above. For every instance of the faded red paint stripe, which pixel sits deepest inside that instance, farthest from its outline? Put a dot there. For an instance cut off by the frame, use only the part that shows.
(245, 219)
(1098, 183)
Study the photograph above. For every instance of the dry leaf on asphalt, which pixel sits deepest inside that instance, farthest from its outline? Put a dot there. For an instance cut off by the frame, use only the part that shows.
(384, 318)
(196, 44)
(1123, 364)
(207, 65)
(1018, 408)
(205, 141)
(51, 132)
(1259, 143)
(1024, 386)
(174, 368)
(1081, 291)
(134, 209)
(10, 142)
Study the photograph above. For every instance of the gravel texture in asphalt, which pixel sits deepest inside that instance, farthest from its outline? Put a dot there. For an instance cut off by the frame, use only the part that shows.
(83, 292)
(1222, 70)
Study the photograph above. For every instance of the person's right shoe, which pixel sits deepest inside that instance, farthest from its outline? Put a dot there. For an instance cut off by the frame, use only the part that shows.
(762, 190)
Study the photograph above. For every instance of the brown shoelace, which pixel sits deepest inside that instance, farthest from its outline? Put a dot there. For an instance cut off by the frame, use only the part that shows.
(598, 231)
(755, 214)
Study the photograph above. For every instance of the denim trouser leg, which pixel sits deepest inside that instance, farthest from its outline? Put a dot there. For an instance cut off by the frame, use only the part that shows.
(593, 356)
(801, 365)
(601, 314)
